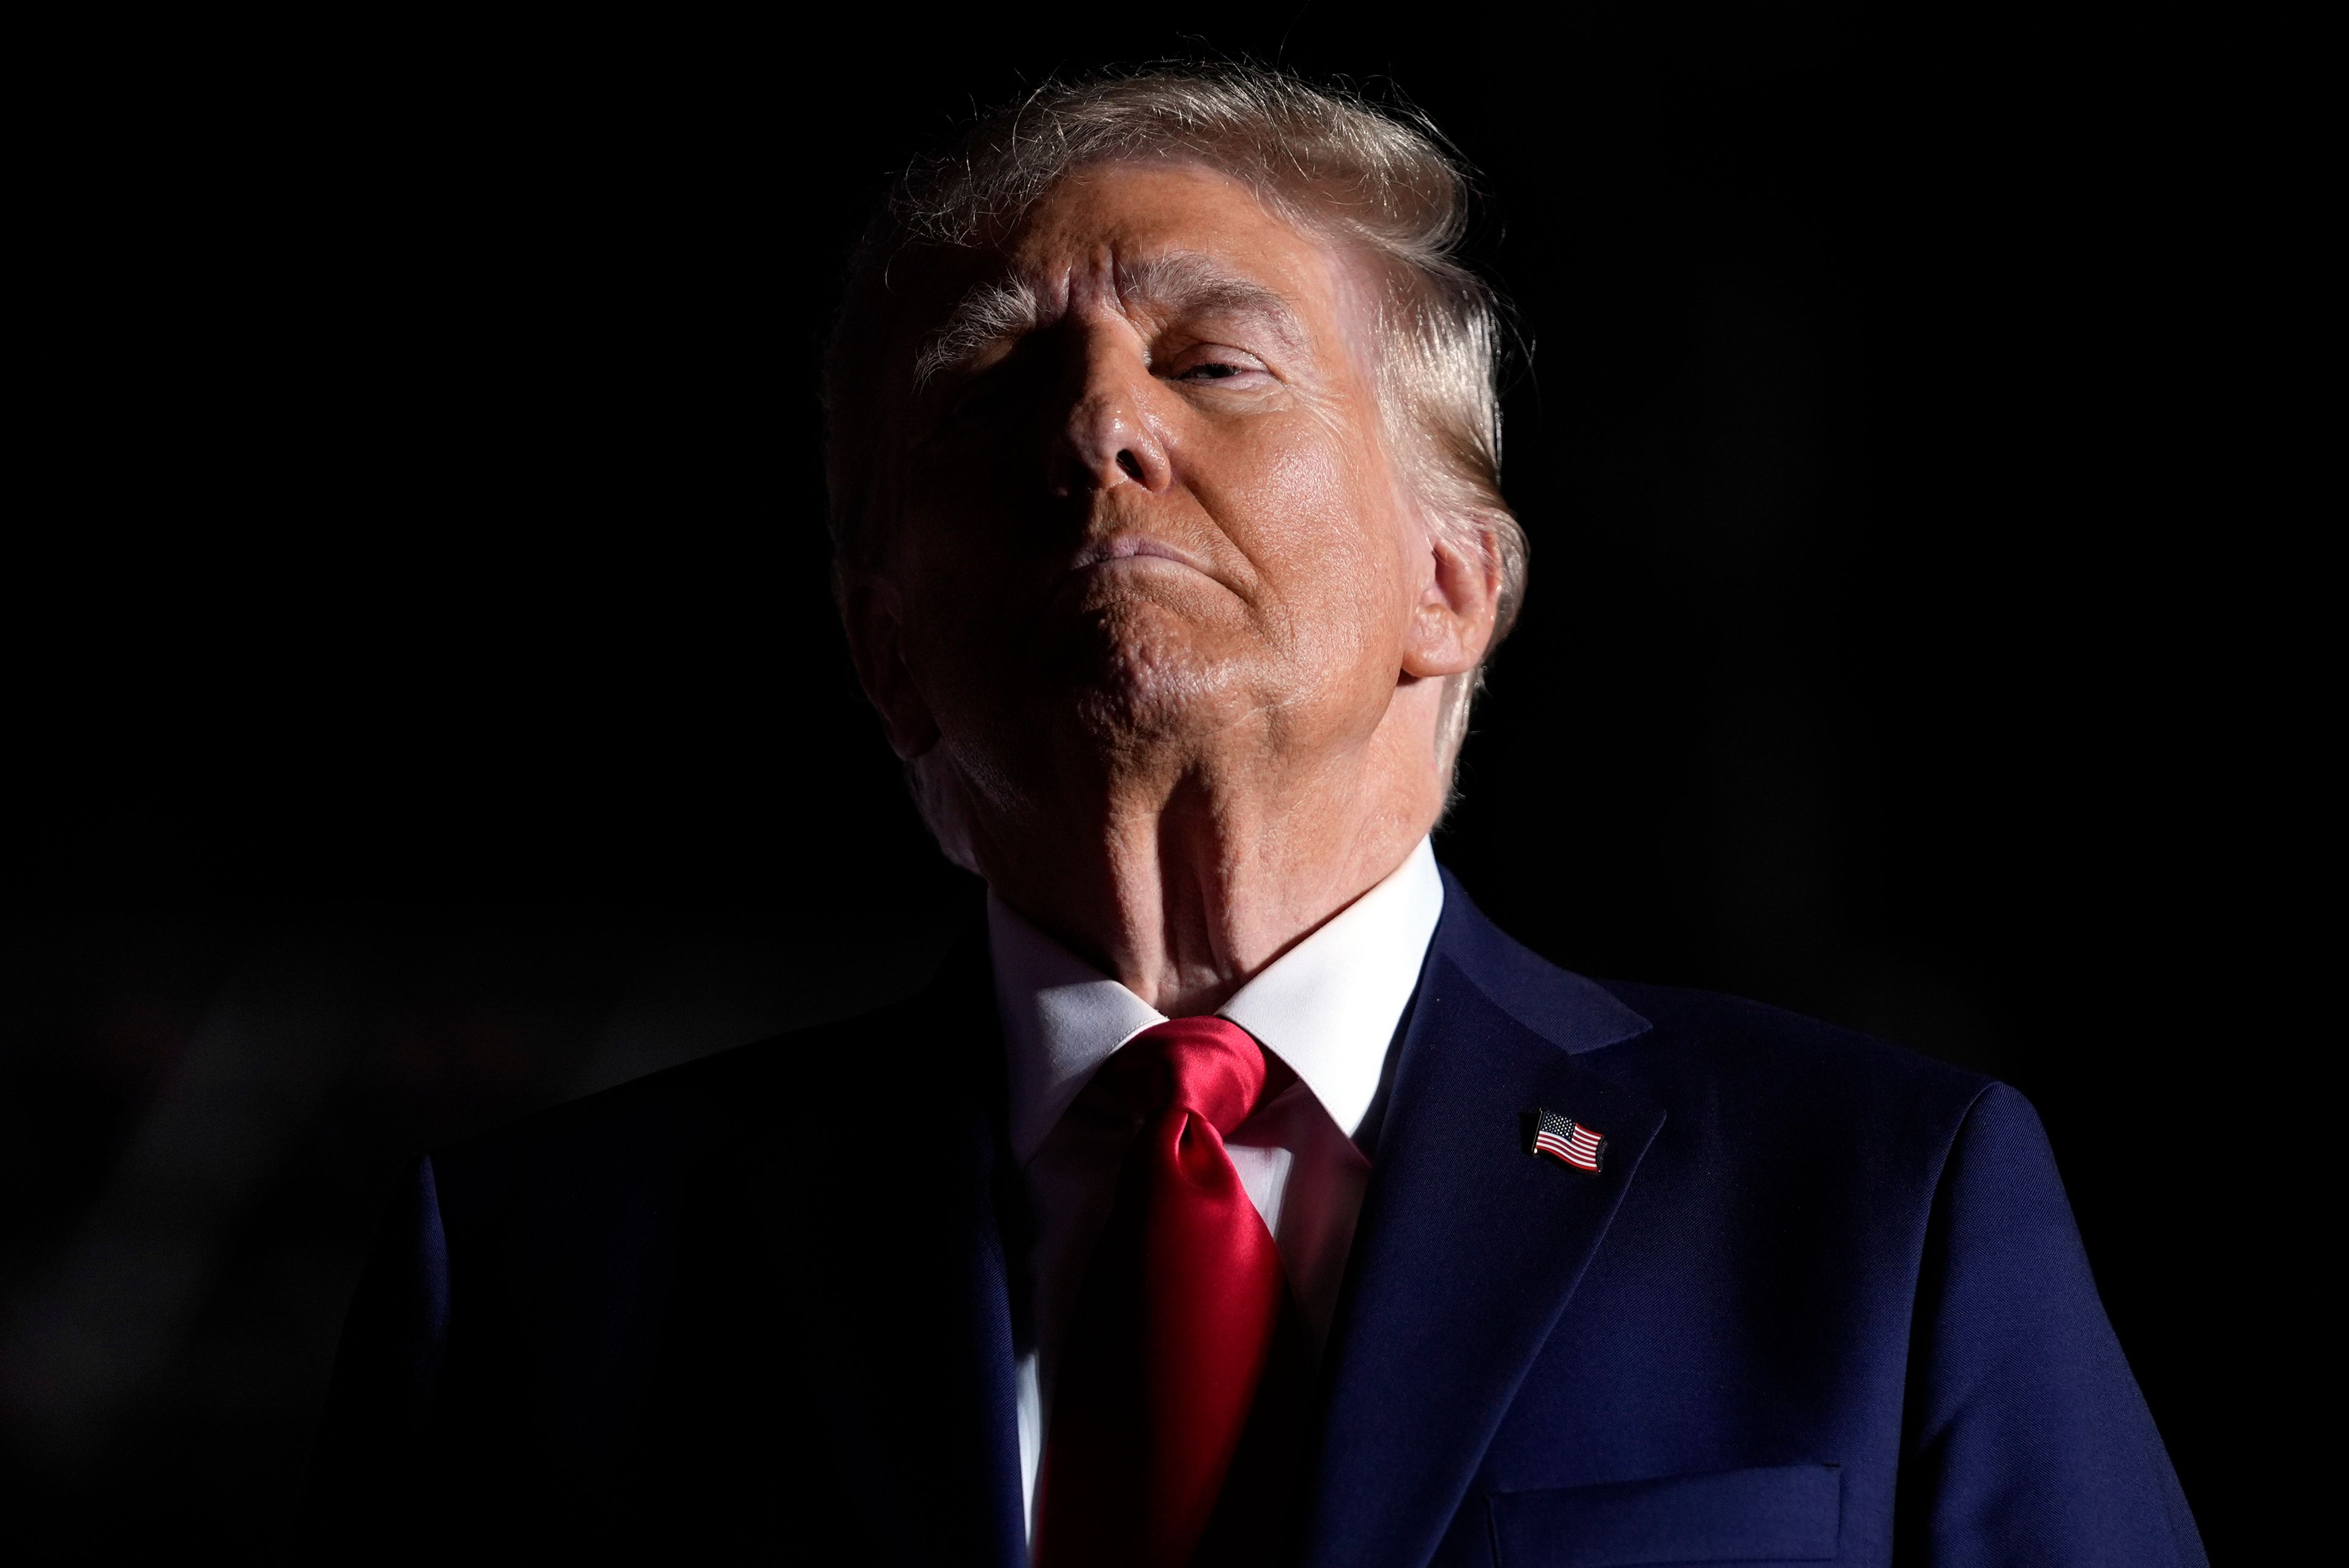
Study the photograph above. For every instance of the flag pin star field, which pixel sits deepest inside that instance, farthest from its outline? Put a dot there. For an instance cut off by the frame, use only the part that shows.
(1567, 1141)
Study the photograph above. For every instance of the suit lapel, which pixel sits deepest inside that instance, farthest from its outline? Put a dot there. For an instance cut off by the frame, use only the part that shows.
(885, 1225)
(1467, 1247)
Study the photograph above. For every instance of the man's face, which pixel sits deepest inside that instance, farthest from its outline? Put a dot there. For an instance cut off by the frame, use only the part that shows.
(1146, 496)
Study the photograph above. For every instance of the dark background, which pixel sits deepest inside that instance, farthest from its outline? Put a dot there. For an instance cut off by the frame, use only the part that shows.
(427, 706)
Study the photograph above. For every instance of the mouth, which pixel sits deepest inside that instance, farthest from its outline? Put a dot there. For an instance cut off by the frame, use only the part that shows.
(1127, 550)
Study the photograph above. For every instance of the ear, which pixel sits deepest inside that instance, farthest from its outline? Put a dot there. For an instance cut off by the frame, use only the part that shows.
(874, 614)
(1459, 598)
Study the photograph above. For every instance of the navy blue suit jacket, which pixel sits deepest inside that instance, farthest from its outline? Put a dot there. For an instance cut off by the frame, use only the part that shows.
(1825, 1302)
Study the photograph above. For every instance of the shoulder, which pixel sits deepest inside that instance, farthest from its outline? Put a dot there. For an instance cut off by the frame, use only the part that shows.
(646, 1140)
(1769, 1050)
(1809, 1113)
(1739, 1083)
(1686, 1041)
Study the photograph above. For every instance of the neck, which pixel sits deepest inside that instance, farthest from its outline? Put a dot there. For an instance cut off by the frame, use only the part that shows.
(1185, 879)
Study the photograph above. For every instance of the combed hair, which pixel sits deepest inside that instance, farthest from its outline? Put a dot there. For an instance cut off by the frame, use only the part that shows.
(1380, 183)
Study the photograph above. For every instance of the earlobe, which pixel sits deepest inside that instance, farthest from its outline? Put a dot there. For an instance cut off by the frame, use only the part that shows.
(874, 621)
(1452, 624)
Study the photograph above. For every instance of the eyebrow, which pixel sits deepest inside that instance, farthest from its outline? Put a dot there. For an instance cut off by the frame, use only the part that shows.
(988, 313)
(1177, 281)
(1184, 282)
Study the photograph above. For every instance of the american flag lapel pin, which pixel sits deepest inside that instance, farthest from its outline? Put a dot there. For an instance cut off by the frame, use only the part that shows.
(1567, 1141)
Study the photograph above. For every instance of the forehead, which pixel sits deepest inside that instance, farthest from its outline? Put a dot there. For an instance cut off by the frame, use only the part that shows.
(1111, 224)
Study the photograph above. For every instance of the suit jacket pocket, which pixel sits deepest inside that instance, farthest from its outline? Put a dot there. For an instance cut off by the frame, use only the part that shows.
(1783, 1513)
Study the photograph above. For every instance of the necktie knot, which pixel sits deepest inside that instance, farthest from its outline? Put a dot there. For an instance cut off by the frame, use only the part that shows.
(1207, 1066)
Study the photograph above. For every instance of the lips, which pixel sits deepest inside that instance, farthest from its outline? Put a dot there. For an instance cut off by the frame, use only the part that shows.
(1135, 547)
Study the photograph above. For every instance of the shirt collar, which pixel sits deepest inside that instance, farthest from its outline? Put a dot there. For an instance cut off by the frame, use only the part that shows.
(1327, 1007)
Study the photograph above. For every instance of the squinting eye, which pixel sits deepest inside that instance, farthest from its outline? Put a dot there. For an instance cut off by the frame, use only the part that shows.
(1210, 372)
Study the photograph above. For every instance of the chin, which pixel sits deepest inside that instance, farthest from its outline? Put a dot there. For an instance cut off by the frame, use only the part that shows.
(1143, 670)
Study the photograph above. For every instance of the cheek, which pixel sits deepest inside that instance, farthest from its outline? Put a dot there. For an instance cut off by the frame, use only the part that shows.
(960, 551)
(951, 575)
(1321, 521)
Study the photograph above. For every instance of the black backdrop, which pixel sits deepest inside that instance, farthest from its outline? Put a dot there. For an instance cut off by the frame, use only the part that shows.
(432, 709)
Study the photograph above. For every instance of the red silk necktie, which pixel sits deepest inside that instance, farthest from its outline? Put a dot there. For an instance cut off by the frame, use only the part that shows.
(1177, 1419)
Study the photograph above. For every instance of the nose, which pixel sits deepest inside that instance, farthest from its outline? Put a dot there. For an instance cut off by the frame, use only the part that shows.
(1109, 436)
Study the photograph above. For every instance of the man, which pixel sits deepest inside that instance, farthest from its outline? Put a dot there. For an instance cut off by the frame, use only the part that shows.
(1240, 1194)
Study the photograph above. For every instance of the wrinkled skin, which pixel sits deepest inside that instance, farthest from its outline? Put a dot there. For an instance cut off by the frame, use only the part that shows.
(1157, 601)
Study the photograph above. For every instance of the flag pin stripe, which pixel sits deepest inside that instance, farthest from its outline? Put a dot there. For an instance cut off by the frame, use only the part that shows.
(1567, 1141)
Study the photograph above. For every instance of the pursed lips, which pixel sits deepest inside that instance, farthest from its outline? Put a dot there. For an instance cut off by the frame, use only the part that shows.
(1134, 547)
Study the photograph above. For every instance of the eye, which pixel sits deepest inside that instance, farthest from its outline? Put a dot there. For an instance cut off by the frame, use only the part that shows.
(975, 402)
(1216, 363)
(983, 399)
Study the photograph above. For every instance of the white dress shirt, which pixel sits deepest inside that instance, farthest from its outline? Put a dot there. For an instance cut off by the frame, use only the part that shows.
(1329, 1007)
